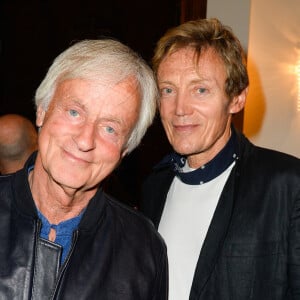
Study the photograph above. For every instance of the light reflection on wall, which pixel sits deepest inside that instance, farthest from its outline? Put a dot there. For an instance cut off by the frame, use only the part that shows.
(297, 71)
(274, 71)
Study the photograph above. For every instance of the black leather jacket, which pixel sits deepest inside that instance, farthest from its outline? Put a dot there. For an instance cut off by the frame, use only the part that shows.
(116, 253)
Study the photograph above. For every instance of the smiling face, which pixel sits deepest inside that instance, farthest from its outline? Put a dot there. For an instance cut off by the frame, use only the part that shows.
(84, 131)
(194, 108)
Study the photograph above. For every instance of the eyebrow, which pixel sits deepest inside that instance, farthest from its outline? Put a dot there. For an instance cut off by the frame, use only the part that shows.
(193, 81)
(165, 81)
(77, 102)
(111, 119)
(200, 80)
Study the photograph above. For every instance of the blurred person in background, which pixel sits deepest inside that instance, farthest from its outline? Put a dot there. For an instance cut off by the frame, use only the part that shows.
(18, 139)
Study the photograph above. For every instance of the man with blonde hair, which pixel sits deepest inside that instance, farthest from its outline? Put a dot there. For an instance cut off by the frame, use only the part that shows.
(229, 211)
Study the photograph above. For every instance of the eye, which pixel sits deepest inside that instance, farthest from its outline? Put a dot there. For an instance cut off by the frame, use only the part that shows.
(201, 90)
(73, 113)
(166, 91)
(109, 129)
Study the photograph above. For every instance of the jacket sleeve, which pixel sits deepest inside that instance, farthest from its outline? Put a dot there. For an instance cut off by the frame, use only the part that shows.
(294, 251)
(162, 285)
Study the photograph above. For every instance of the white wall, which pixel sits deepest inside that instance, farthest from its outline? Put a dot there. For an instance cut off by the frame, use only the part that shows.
(270, 29)
(234, 13)
(271, 116)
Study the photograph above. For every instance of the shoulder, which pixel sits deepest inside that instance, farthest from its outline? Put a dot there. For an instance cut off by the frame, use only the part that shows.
(6, 191)
(274, 160)
(162, 172)
(6, 183)
(133, 222)
(5, 177)
(267, 170)
(269, 159)
(14, 188)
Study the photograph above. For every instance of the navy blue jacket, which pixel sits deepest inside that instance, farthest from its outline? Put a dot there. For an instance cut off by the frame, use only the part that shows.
(252, 248)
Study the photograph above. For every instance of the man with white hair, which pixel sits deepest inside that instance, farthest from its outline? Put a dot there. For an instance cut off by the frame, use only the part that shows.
(62, 237)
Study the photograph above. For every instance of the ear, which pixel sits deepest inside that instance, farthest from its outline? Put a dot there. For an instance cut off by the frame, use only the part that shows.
(40, 116)
(238, 102)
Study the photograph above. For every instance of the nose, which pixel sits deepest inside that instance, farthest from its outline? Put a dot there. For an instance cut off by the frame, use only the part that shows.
(85, 137)
(182, 107)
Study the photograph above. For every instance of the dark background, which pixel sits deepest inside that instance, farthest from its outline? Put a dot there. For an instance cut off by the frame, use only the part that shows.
(33, 33)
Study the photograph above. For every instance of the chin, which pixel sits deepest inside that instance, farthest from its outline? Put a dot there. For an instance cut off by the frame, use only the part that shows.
(68, 180)
(183, 152)
(182, 148)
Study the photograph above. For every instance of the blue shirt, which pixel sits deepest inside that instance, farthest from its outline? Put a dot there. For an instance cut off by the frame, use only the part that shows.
(64, 232)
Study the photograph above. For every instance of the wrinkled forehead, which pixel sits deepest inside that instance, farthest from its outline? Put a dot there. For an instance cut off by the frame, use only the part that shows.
(190, 56)
(195, 54)
(106, 76)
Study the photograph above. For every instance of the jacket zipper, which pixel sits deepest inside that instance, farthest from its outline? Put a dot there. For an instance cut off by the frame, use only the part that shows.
(38, 226)
(64, 266)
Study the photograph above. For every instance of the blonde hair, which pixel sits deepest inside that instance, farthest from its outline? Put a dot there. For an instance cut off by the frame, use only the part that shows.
(200, 35)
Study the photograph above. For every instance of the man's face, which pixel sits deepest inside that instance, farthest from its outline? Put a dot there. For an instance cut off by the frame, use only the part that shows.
(84, 131)
(195, 111)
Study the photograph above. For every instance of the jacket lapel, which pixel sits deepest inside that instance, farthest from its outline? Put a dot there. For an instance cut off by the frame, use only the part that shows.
(154, 195)
(215, 238)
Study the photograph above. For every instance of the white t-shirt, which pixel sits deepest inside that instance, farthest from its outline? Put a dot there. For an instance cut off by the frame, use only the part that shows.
(185, 220)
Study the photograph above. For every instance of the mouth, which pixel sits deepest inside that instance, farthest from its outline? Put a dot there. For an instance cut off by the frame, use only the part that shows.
(184, 128)
(74, 158)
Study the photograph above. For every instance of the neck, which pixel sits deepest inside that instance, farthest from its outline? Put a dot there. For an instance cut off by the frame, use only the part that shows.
(54, 201)
(197, 160)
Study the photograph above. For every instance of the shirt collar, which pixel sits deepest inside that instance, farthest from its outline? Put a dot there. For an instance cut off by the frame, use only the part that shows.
(210, 170)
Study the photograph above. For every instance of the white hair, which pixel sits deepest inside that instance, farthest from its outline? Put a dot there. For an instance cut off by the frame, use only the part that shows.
(105, 58)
